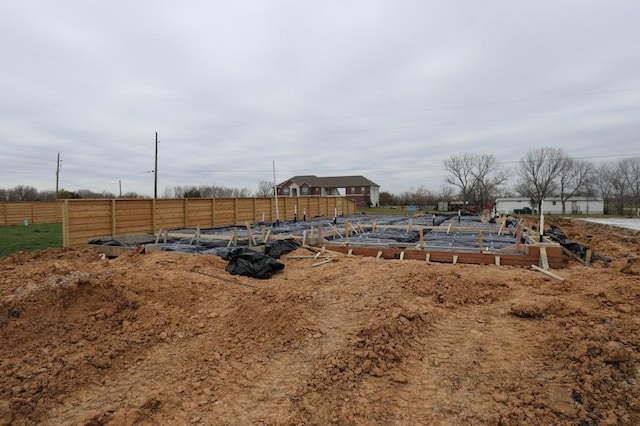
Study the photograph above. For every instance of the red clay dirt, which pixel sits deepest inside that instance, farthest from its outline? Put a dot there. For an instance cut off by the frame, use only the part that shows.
(150, 339)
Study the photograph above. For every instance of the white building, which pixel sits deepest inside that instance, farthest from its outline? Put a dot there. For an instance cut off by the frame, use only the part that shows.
(553, 205)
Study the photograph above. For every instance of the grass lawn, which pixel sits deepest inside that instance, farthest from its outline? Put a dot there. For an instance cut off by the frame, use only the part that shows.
(29, 238)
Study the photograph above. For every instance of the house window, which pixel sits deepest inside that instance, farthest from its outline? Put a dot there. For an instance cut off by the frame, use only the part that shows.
(285, 190)
(353, 189)
(362, 189)
(304, 190)
(553, 202)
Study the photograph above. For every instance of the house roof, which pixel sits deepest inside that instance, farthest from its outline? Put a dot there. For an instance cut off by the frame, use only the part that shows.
(330, 181)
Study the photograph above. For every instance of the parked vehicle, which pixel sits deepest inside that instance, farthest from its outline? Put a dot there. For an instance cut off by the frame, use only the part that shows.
(524, 210)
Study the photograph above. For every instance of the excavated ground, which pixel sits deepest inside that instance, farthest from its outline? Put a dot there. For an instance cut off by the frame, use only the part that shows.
(165, 338)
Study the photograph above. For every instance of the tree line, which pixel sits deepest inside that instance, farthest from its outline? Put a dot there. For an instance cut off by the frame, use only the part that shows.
(475, 180)
(544, 173)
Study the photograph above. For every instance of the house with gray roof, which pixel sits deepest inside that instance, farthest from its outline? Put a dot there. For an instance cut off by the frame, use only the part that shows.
(358, 188)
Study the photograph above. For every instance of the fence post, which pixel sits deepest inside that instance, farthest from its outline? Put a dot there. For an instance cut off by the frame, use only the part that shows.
(113, 217)
(65, 223)
(153, 215)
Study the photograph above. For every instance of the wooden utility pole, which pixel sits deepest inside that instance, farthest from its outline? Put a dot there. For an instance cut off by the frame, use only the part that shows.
(155, 172)
(57, 174)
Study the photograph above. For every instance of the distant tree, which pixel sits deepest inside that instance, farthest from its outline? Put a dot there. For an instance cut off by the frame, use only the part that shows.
(573, 177)
(192, 192)
(418, 196)
(460, 169)
(604, 183)
(4, 195)
(132, 194)
(385, 198)
(85, 193)
(630, 168)
(616, 176)
(265, 189)
(446, 193)
(63, 194)
(489, 176)
(178, 192)
(538, 171)
(22, 193)
(167, 193)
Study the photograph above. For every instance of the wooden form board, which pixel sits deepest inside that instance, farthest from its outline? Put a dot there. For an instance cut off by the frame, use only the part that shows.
(554, 256)
(84, 220)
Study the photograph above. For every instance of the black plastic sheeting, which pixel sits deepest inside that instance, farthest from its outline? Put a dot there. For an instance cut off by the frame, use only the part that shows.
(244, 261)
(576, 248)
(277, 248)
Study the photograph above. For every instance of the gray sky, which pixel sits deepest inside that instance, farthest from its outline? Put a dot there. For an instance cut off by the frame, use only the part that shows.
(384, 89)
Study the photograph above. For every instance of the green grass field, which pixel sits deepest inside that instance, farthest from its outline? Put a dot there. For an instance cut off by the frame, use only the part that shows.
(29, 238)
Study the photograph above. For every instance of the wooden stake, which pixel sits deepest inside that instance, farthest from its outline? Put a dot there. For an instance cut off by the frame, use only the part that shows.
(587, 258)
(379, 255)
(455, 259)
(544, 261)
(504, 221)
(497, 259)
(252, 241)
(321, 263)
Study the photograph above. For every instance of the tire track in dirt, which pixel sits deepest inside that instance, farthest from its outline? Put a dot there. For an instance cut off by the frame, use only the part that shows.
(455, 373)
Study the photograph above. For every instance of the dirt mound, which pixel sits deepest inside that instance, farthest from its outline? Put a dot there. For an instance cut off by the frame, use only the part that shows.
(174, 339)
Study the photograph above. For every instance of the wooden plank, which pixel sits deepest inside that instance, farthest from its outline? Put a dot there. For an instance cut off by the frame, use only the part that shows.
(446, 256)
(544, 271)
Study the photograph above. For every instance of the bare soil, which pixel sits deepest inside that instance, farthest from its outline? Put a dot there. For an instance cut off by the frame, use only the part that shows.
(165, 338)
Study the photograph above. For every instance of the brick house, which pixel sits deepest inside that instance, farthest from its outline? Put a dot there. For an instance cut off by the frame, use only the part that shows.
(358, 188)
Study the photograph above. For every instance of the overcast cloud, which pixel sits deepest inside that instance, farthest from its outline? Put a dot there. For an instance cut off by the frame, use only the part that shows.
(384, 89)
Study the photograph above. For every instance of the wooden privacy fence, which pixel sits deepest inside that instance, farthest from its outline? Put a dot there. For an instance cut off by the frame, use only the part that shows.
(84, 220)
(16, 212)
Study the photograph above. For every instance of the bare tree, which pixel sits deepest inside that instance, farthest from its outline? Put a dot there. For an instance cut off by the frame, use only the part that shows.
(265, 189)
(446, 193)
(572, 178)
(167, 193)
(478, 176)
(489, 176)
(604, 184)
(22, 193)
(630, 168)
(538, 171)
(460, 169)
